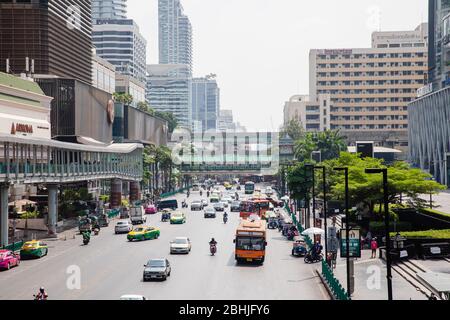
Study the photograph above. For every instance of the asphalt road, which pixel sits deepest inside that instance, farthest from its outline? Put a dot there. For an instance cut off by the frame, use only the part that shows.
(110, 267)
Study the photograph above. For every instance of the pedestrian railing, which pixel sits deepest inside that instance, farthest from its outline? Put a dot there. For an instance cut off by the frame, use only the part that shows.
(113, 213)
(336, 288)
(16, 246)
(170, 194)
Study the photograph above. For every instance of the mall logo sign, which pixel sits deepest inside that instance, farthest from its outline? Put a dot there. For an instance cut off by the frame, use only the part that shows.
(21, 128)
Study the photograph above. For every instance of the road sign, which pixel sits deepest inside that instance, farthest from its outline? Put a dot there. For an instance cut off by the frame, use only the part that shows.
(354, 241)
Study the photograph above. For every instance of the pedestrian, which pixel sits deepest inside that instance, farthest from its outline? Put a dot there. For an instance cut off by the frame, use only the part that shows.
(374, 247)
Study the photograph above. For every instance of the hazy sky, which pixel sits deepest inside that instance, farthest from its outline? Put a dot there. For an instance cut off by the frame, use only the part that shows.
(260, 48)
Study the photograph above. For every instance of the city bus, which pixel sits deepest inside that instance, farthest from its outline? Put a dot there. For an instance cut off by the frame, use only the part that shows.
(249, 187)
(250, 241)
(257, 207)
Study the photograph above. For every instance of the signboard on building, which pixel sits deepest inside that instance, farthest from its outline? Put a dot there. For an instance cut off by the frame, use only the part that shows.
(365, 149)
(354, 243)
(425, 90)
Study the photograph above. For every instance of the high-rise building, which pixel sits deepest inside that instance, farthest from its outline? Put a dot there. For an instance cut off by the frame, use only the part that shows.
(175, 35)
(109, 9)
(121, 43)
(205, 103)
(439, 44)
(103, 74)
(371, 88)
(226, 120)
(313, 115)
(55, 35)
(169, 90)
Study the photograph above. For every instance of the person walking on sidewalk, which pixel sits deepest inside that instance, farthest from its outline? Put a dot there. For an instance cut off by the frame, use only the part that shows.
(374, 247)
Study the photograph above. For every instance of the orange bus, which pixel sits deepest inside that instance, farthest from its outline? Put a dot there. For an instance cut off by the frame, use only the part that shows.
(251, 241)
(254, 206)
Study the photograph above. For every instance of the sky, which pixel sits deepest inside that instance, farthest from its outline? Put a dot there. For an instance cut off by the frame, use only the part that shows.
(259, 49)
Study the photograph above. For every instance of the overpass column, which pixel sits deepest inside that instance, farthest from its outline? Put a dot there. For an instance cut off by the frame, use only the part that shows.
(52, 209)
(4, 222)
(116, 194)
(135, 192)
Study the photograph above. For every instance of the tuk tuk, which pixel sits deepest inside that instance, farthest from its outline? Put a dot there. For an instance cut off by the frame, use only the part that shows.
(299, 248)
(124, 213)
(102, 217)
(165, 215)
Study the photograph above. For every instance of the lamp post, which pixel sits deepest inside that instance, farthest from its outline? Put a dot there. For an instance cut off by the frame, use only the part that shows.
(347, 229)
(386, 221)
(311, 167)
(324, 186)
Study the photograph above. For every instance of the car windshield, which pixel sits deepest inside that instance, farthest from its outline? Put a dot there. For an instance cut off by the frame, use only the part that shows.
(210, 211)
(156, 263)
(122, 223)
(138, 229)
(181, 241)
(247, 243)
(177, 215)
(196, 202)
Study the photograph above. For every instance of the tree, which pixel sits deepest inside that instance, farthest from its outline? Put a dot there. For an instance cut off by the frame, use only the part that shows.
(366, 189)
(145, 107)
(170, 118)
(122, 97)
(294, 129)
(299, 180)
(329, 143)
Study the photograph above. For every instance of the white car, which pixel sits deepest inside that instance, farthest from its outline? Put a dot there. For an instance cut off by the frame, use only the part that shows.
(123, 227)
(180, 245)
(228, 199)
(132, 297)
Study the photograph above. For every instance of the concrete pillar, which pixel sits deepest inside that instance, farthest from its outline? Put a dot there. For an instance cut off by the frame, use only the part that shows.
(116, 194)
(52, 209)
(4, 222)
(135, 192)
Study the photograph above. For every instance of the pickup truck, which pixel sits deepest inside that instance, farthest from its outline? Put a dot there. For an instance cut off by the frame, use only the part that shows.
(137, 215)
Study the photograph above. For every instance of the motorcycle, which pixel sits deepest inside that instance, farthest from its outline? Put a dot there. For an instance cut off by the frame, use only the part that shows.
(201, 193)
(40, 297)
(213, 249)
(188, 194)
(86, 238)
(96, 231)
(207, 194)
(184, 204)
(225, 219)
(290, 235)
(309, 258)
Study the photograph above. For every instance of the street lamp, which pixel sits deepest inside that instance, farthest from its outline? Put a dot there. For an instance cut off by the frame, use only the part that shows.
(324, 186)
(311, 167)
(386, 221)
(347, 229)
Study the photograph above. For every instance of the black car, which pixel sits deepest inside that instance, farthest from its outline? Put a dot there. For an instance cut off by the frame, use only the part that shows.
(167, 204)
(210, 213)
(235, 206)
(157, 269)
(219, 206)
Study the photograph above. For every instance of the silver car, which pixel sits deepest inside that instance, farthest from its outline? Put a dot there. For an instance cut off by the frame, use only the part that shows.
(123, 227)
(180, 245)
(197, 205)
(157, 269)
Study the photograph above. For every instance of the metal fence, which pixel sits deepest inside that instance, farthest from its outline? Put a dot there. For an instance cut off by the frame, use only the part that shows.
(16, 246)
(170, 194)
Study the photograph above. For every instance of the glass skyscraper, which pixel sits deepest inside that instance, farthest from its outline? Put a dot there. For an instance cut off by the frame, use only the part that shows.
(205, 104)
(109, 9)
(175, 35)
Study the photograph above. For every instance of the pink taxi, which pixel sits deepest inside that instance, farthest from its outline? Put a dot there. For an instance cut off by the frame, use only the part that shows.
(8, 259)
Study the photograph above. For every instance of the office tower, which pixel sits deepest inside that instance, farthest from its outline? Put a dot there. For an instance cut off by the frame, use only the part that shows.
(169, 90)
(121, 43)
(439, 40)
(371, 88)
(313, 115)
(175, 35)
(109, 9)
(54, 34)
(226, 121)
(205, 103)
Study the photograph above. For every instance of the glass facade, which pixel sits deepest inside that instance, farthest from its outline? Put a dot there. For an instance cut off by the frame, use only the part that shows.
(205, 104)
(109, 9)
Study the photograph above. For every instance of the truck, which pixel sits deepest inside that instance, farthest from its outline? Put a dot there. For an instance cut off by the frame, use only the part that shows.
(137, 215)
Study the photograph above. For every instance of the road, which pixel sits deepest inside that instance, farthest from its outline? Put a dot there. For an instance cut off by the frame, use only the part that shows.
(110, 266)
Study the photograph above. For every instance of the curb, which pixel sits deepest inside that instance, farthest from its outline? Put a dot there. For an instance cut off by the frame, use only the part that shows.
(325, 284)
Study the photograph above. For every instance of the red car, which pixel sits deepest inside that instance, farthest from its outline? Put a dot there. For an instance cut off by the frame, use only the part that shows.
(151, 209)
(8, 259)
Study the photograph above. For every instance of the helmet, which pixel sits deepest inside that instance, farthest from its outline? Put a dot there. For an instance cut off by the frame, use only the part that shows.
(41, 289)
(213, 239)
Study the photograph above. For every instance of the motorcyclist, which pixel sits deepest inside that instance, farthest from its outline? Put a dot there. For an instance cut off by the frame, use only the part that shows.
(213, 242)
(86, 236)
(225, 217)
(316, 250)
(188, 193)
(42, 295)
(201, 193)
(207, 193)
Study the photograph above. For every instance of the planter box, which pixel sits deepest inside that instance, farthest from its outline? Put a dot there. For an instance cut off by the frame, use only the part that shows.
(33, 224)
(434, 250)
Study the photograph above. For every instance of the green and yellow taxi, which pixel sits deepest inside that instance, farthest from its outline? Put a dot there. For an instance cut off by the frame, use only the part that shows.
(33, 249)
(177, 217)
(143, 233)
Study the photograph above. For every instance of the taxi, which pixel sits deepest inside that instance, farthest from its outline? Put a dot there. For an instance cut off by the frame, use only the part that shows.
(33, 249)
(177, 218)
(144, 233)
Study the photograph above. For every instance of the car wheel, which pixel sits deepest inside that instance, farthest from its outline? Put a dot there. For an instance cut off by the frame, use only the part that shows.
(18, 262)
(165, 278)
(8, 266)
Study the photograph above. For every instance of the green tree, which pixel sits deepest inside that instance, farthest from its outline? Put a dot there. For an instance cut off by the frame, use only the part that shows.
(145, 107)
(367, 190)
(294, 129)
(329, 143)
(170, 118)
(122, 97)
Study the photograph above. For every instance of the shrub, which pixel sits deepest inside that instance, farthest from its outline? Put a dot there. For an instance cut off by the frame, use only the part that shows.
(429, 234)
(435, 213)
(125, 203)
(377, 227)
(30, 215)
